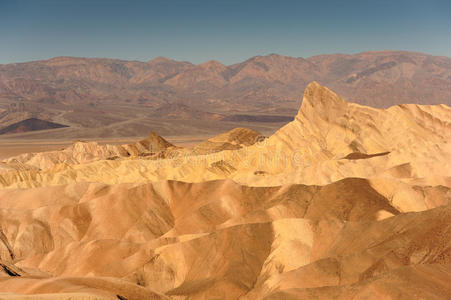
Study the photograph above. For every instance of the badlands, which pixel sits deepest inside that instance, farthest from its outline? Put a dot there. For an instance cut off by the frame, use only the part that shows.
(344, 202)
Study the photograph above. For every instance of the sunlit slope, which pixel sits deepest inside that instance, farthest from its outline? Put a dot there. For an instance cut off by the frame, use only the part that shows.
(222, 240)
(328, 140)
(345, 201)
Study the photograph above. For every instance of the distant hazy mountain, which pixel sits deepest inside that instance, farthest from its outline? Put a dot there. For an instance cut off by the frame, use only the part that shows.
(260, 83)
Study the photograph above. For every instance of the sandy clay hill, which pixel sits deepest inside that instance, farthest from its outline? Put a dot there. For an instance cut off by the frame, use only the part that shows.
(344, 202)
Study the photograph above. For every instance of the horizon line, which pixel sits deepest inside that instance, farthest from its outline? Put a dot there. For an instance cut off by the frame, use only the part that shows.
(215, 60)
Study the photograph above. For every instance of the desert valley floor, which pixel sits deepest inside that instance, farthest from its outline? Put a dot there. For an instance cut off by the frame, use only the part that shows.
(344, 202)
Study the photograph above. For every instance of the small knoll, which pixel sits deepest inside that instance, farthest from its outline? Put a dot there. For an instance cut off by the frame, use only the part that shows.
(81, 152)
(31, 124)
(155, 142)
(150, 145)
(230, 140)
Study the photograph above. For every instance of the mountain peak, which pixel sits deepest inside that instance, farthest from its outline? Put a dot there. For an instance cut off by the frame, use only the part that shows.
(319, 100)
(212, 63)
(160, 59)
(155, 142)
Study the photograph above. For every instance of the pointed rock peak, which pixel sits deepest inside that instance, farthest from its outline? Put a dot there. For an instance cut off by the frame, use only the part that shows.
(319, 101)
(156, 140)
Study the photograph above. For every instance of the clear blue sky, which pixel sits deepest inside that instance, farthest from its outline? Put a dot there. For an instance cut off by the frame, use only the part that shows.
(228, 31)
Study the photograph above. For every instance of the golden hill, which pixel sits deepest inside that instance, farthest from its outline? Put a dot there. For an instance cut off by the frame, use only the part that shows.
(313, 149)
(231, 140)
(222, 240)
(346, 201)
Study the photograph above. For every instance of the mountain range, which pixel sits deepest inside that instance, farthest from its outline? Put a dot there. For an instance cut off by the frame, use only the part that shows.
(379, 79)
(98, 92)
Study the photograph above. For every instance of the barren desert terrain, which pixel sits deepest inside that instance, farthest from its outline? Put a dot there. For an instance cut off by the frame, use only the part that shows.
(20, 145)
(225, 150)
(345, 201)
(100, 98)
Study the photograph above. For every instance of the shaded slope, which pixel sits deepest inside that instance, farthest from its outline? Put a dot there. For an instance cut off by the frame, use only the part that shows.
(216, 239)
(31, 124)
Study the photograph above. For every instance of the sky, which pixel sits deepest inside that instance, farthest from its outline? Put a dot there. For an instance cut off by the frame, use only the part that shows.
(229, 31)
